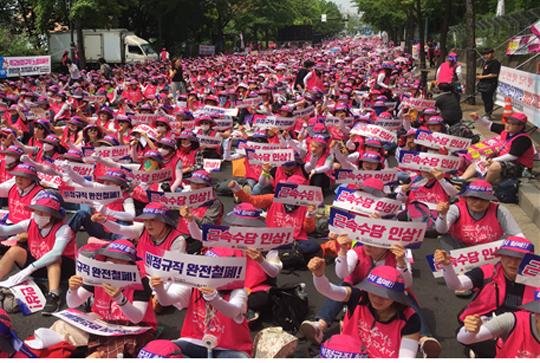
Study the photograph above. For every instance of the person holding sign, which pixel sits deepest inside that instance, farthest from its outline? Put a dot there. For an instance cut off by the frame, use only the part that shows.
(124, 306)
(205, 124)
(475, 219)
(189, 153)
(379, 311)
(496, 288)
(519, 331)
(49, 251)
(319, 162)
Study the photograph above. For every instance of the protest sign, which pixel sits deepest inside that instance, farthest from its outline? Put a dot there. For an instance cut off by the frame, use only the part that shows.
(293, 194)
(529, 270)
(243, 237)
(415, 160)
(29, 297)
(374, 131)
(488, 147)
(96, 272)
(93, 325)
(84, 195)
(306, 111)
(51, 181)
(465, 259)
(249, 102)
(84, 170)
(436, 140)
(113, 152)
(275, 157)
(376, 232)
(419, 103)
(365, 203)
(156, 176)
(261, 146)
(336, 121)
(207, 141)
(212, 165)
(191, 199)
(223, 124)
(24, 66)
(390, 124)
(198, 271)
(218, 111)
(358, 176)
(272, 122)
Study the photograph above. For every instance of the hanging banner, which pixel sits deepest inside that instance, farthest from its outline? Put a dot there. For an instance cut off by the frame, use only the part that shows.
(298, 194)
(91, 324)
(376, 232)
(365, 203)
(273, 157)
(84, 195)
(524, 90)
(191, 199)
(24, 66)
(436, 140)
(415, 160)
(197, 271)
(207, 49)
(345, 176)
(529, 270)
(523, 44)
(263, 239)
(96, 273)
(374, 131)
(466, 259)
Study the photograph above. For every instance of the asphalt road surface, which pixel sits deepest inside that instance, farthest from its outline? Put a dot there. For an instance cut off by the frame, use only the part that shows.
(438, 303)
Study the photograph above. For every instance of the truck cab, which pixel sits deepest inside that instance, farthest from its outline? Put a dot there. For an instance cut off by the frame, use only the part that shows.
(138, 50)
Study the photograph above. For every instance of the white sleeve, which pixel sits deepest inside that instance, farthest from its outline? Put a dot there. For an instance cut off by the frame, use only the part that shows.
(235, 308)
(449, 189)
(272, 265)
(134, 311)
(10, 230)
(76, 298)
(345, 264)
(331, 291)
(127, 215)
(455, 282)
(132, 232)
(5, 187)
(63, 237)
(466, 337)
(194, 230)
(408, 348)
(174, 294)
(179, 244)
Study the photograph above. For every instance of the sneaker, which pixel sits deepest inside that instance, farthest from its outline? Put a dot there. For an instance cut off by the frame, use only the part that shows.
(431, 348)
(252, 316)
(463, 293)
(312, 331)
(52, 304)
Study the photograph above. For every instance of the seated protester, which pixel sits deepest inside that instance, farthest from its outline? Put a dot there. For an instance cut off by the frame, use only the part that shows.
(121, 210)
(156, 234)
(10, 158)
(407, 142)
(209, 312)
(20, 190)
(167, 149)
(124, 306)
(475, 219)
(496, 288)
(261, 270)
(11, 346)
(435, 124)
(270, 177)
(379, 304)
(206, 127)
(449, 106)
(319, 162)
(40, 129)
(91, 136)
(160, 348)
(162, 126)
(516, 150)
(189, 153)
(123, 129)
(72, 132)
(49, 251)
(518, 332)
(50, 150)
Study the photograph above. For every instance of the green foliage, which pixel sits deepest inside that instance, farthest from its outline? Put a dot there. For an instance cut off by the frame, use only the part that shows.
(16, 44)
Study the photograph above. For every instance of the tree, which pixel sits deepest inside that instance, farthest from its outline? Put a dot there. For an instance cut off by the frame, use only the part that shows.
(470, 53)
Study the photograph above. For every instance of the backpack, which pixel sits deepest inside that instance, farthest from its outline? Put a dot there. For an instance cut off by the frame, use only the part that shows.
(462, 129)
(289, 306)
(419, 212)
(507, 190)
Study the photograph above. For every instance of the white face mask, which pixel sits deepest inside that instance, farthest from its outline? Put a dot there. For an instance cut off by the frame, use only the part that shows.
(163, 152)
(205, 127)
(47, 147)
(41, 221)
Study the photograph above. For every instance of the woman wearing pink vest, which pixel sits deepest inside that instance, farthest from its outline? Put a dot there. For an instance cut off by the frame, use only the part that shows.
(124, 306)
(518, 333)
(495, 286)
(189, 153)
(378, 311)
(49, 251)
(319, 161)
(20, 190)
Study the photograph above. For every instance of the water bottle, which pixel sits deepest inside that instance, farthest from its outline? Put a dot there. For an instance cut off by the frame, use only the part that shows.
(302, 290)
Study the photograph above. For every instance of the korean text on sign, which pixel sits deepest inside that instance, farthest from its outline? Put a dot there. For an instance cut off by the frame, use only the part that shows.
(243, 237)
(298, 194)
(96, 272)
(365, 203)
(191, 199)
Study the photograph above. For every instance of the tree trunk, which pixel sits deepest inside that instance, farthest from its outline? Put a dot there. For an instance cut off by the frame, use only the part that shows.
(444, 31)
(470, 54)
(80, 43)
(409, 33)
(420, 23)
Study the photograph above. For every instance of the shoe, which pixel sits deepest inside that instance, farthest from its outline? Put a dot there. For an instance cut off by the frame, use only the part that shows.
(463, 293)
(312, 331)
(52, 304)
(252, 316)
(431, 348)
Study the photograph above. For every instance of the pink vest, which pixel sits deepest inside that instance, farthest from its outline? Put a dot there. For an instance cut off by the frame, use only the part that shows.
(3, 172)
(280, 176)
(17, 204)
(493, 294)
(252, 171)
(278, 217)
(379, 340)
(446, 73)
(365, 264)
(521, 342)
(39, 245)
(201, 318)
(526, 159)
(188, 158)
(198, 212)
(472, 232)
(109, 310)
(320, 161)
(433, 194)
(146, 244)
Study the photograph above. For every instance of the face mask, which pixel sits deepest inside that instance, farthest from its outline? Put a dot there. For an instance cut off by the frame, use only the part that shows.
(205, 127)
(41, 221)
(163, 152)
(47, 147)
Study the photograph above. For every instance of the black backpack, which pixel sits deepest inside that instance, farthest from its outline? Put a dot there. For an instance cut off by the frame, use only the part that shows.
(506, 191)
(289, 306)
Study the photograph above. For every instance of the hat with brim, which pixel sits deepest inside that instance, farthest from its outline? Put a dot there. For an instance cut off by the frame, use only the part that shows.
(116, 176)
(370, 157)
(13, 150)
(342, 346)
(200, 177)
(26, 171)
(373, 186)
(160, 348)
(120, 250)
(386, 282)
(517, 118)
(159, 211)
(245, 215)
(515, 246)
(480, 189)
(48, 203)
(533, 306)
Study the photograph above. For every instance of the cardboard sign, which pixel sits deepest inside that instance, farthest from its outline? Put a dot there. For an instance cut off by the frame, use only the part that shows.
(212, 165)
(95, 273)
(335, 121)
(358, 176)
(365, 203)
(298, 194)
(263, 239)
(436, 140)
(415, 160)
(29, 297)
(156, 176)
(374, 131)
(529, 270)
(223, 124)
(197, 271)
(273, 157)
(273, 122)
(211, 142)
(466, 259)
(376, 232)
(93, 325)
(84, 170)
(52, 181)
(84, 195)
(191, 199)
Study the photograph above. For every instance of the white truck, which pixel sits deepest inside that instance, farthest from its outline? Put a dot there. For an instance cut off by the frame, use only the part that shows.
(114, 45)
